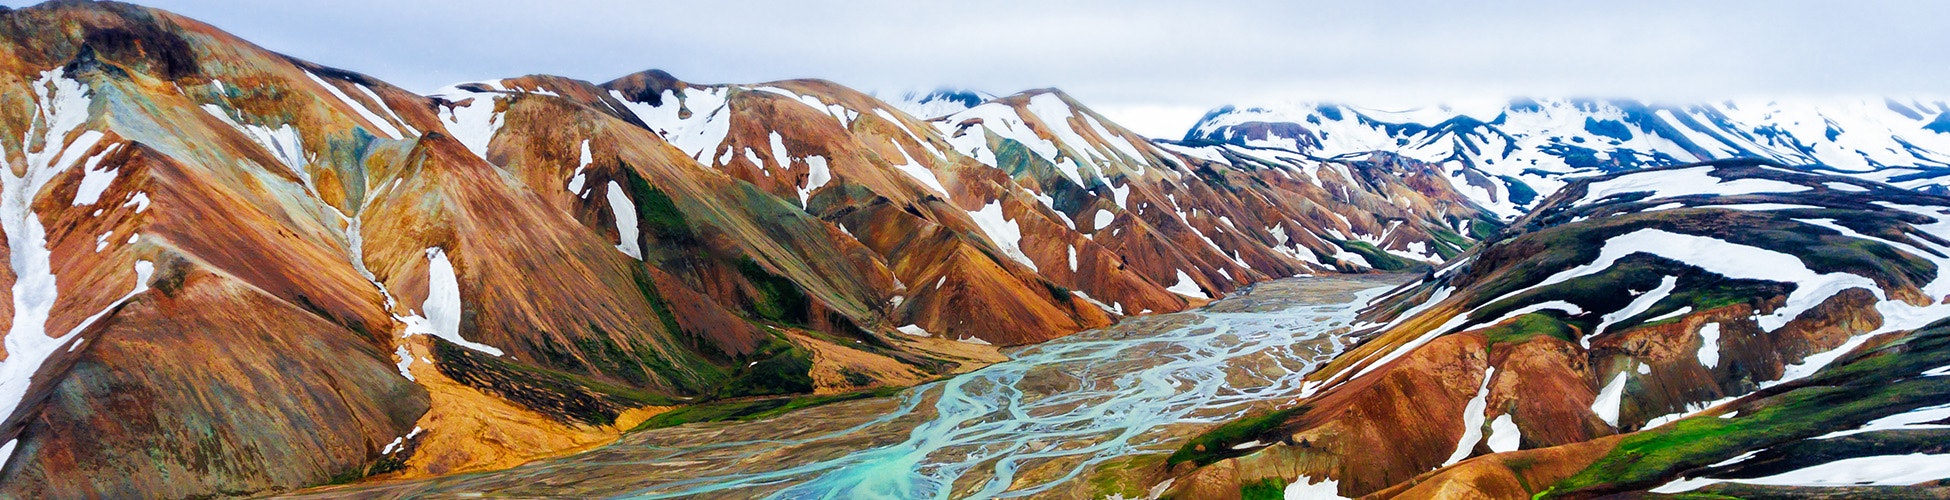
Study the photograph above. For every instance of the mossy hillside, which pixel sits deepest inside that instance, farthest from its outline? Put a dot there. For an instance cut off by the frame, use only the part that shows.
(1377, 258)
(778, 298)
(1880, 382)
(675, 243)
(1449, 244)
(1216, 444)
(753, 409)
(1127, 476)
(1271, 488)
(561, 395)
(1807, 453)
(1523, 328)
(781, 368)
(1616, 287)
(1519, 262)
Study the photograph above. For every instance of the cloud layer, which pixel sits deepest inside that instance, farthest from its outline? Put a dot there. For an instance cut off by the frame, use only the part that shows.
(1155, 65)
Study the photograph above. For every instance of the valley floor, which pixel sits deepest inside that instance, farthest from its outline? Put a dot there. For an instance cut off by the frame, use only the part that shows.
(1092, 414)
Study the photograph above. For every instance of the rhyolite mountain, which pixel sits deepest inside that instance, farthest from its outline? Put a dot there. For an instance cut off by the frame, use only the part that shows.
(237, 272)
(1660, 329)
(1508, 158)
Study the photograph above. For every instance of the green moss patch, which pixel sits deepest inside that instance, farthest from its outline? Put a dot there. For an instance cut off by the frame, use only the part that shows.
(561, 395)
(755, 409)
(1377, 258)
(1216, 444)
(1271, 488)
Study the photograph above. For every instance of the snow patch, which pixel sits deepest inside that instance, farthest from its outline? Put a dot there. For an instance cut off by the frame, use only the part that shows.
(474, 123)
(1187, 287)
(1609, 400)
(624, 211)
(442, 310)
(405, 361)
(1504, 434)
(1878, 470)
(1473, 420)
(378, 123)
(1709, 345)
(817, 175)
(1682, 182)
(1303, 488)
(94, 182)
(1006, 234)
(578, 179)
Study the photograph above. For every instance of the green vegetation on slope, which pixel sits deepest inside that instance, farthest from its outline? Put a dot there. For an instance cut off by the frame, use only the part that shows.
(1216, 444)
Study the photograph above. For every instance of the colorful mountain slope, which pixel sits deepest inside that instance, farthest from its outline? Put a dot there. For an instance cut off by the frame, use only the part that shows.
(1624, 302)
(237, 272)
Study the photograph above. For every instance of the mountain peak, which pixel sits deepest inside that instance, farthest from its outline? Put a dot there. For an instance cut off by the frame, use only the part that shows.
(646, 86)
(939, 102)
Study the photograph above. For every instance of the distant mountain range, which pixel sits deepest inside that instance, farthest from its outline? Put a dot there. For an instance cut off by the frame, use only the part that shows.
(1500, 157)
(236, 272)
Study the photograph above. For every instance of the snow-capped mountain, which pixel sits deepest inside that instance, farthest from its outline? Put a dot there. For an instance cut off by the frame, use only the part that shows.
(235, 272)
(1508, 157)
(938, 102)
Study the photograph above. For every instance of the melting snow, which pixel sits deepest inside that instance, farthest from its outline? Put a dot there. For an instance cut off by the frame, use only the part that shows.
(1885, 470)
(703, 130)
(1103, 220)
(1914, 419)
(1638, 306)
(1504, 435)
(473, 124)
(379, 123)
(1609, 400)
(62, 106)
(1248, 445)
(1187, 287)
(1473, 420)
(919, 173)
(1302, 489)
(1683, 182)
(1843, 186)
(1005, 233)
(817, 175)
(1727, 259)
(94, 182)
(625, 215)
(405, 361)
(578, 179)
(283, 142)
(442, 309)
(1709, 345)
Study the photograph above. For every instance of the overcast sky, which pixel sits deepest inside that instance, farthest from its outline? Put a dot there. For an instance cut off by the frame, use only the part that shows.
(1153, 66)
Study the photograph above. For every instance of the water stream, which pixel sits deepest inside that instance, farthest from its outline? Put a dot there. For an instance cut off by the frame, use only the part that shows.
(1031, 426)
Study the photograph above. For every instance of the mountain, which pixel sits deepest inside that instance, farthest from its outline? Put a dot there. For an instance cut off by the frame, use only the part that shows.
(1509, 157)
(939, 102)
(237, 272)
(1866, 426)
(1577, 336)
